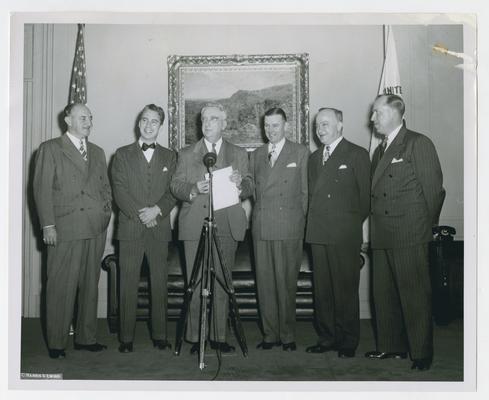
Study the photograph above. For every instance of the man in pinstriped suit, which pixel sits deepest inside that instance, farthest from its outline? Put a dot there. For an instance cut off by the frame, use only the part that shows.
(407, 196)
(141, 174)
(73, 200)
(280, 173)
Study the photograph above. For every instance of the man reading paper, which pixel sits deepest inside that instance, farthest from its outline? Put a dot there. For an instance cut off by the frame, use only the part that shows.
(190, 186)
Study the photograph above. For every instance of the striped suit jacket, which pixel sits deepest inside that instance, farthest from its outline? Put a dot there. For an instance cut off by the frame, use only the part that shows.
(339, 194)
(138, 184)
(71, 193)
(190, 170)
(280, 193)
(407, 192)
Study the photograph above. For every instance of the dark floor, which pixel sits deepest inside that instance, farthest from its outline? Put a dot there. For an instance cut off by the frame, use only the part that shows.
(147, 363)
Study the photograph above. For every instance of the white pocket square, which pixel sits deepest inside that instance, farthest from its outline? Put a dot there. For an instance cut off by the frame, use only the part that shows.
(342, 166)
(292, 165)
(396, 160)
(165, 169)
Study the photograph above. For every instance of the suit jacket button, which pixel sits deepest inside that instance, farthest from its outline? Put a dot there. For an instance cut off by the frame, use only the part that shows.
(387, 213)
(390, 175)
(82, 192)
(205, 206)
(82, 209)
(385, 194)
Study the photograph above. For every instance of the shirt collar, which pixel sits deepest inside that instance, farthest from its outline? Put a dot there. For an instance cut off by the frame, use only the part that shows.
(278, 146)
(141, 143)
(76, 141)
(391, 136)
(209, 145)
(333, 145)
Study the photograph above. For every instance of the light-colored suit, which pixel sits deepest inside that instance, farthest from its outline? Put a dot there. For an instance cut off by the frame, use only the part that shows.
(231, 223)
(138, 184)
(74, 195)
(407, 196)
(278, 223)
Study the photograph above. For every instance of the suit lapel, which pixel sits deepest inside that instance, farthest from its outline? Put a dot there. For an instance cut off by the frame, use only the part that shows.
(392, 150)
(332, 164)
(70, 151)
(280, 163)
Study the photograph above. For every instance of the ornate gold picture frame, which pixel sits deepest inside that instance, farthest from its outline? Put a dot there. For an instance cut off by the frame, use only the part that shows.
(246, 85)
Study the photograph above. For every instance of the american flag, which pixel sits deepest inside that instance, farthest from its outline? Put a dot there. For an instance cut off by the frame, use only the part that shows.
(78, 84)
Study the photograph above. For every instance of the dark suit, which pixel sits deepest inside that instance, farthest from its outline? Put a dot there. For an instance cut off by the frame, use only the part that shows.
(279, 216)
(138, 184)
(231, 223)
(339, 194)
(407, 196)
(74, 195)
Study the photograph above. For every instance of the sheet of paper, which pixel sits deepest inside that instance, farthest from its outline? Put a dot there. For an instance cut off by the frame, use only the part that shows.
(224, 192)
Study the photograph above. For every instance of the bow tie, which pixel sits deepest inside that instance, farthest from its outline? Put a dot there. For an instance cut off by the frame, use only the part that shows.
(146, 146)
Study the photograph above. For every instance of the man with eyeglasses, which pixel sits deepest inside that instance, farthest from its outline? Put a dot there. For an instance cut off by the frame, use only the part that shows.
(190, 186)
(141, 174)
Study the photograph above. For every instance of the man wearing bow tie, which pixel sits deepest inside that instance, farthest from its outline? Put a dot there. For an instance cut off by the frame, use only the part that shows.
(279, 215)
(73, 200)
(190, 186)
(407, 196)
(141, 174)
(339, 198)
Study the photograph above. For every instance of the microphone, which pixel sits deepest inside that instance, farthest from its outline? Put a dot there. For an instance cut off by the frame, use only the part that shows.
(210, 159)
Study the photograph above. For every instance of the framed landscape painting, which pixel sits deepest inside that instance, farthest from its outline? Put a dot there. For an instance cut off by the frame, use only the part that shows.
(247, 86)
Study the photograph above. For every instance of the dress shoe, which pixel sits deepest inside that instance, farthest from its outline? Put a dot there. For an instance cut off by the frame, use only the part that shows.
(195, 348)
(125, 347)
(90, 347)
(319, 348)
(380, 355)
(223, 347)
(267, 345)
(422, 364)
(289, 346)
(57, 353)
(346, 353)
(161, 344)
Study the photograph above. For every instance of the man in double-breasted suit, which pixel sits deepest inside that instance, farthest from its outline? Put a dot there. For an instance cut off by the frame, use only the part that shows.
(73, 200)
(280, 175)
(141, 174)
(190, 186)
(339, 192)
(407, 196)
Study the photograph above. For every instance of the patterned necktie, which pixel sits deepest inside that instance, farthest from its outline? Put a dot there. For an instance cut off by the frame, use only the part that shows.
(382, 148)
(326, 154)
(272, 156)
(83, 151)
(146, 146)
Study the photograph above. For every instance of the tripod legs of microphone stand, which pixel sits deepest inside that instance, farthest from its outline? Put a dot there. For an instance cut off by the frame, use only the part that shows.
(204, 272)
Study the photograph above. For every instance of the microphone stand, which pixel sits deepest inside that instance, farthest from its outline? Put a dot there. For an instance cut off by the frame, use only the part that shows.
(204, 266)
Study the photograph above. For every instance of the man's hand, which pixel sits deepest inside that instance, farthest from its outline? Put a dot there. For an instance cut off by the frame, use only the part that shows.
(236, 178)
(151, 224)
(49, 235)
(148, 214)
(202, 186)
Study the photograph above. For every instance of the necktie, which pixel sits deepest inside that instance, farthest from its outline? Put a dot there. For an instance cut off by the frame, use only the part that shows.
(326, 154)
(83, 151)
(382, 148)
(214, 150)
(272, 156)
(146, 146)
